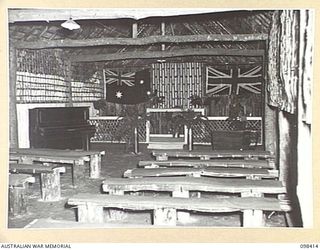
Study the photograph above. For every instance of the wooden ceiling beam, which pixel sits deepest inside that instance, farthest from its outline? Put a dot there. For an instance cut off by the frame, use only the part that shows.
(167, 54)
(68, 43)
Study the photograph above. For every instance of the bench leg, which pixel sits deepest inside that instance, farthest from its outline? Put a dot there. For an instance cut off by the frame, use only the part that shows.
(204, 158)
(165, 217)
(253, 218)
(78, 172)
(50, 186)
(90, 213)
(116, 214)
(17, 200)
(183, 217)
(25, 160)
(162, 158)
(95, 166)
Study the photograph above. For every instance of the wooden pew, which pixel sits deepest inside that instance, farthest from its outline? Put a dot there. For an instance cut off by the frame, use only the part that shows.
(77, 163)
(180, 186)
(228, 163)
(249, 173)
(18, 200)
(163, 155)
(49, 178)
(64, 224)
(93, 157)
(90, 207)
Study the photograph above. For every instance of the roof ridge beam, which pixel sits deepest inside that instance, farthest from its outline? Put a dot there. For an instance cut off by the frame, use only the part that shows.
(167, 54)
(67, 43)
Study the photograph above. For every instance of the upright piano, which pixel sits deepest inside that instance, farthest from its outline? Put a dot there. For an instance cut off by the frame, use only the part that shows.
(60, 128)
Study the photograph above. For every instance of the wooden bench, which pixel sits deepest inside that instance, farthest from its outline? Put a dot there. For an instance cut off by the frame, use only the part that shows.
(77, 163)
(17, 193)
(180, 186)
(249, 173)
(93, 157)
(232, 163)
(164, 209)
(163, 155)
(62, 224)
(49, 178)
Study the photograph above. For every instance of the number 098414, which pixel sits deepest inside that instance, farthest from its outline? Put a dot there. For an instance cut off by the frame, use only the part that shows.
(309, 246)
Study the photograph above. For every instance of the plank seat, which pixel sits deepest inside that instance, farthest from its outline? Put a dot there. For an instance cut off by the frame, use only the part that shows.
(253, 173)
(92, 156)
(206, 155)
(19, 180)
(77, 163)
(49, 178)
(186, 184)
(51, 223)
(233, 163)
(18, 201)
(90, 207)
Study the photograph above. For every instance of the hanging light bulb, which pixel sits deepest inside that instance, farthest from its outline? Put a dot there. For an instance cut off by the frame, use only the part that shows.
(70, 25)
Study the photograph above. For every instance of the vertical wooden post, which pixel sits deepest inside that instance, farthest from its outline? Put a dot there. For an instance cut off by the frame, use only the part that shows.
(270, 128)
(165, 217)
(163, 157)
(253, 218)
(183, 217)
(13, 124)
(90, 213)
(78, 171)
(17, 200)
(95, 166)
(134, 30)
(50, 185)
(116, 214)
(163, 33)
(287, 144)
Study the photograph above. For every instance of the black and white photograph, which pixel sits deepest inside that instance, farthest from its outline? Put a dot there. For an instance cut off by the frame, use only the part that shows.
(160, 118)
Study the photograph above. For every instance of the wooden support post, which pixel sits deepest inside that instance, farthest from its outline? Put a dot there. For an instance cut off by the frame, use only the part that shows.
(205, 157)
(162, 157)
(163, 33)
(183, 217)
(78, 172)
(25, 160)
(90, 213)
(253, 218)
(50, 185)
(116, 214)
(95, 166)
(17, 200)
(13, 120)
(134, 30)
(165, 217)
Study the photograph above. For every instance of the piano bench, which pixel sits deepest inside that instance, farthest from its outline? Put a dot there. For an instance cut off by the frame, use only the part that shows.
(18, 200)
(49, 178)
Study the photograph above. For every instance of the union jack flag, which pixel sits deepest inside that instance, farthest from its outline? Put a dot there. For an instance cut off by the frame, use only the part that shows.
(234, 80)
(119, 77)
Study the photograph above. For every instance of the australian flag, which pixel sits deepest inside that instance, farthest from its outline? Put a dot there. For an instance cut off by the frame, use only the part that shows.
(127, 86)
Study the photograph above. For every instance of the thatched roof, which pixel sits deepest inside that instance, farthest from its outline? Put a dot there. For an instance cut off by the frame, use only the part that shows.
(232, 22)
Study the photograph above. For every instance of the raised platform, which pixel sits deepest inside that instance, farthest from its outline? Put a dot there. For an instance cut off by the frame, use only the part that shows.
(165, 143)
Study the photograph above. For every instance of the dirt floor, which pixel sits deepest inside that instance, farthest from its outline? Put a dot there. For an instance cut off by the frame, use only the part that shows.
(114, 163)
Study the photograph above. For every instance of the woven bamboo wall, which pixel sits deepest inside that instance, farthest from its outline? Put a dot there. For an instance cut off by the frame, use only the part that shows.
(42, 78)
(177, 82)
